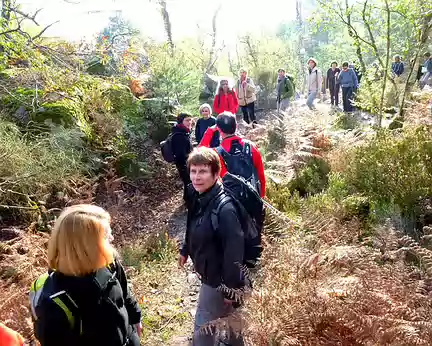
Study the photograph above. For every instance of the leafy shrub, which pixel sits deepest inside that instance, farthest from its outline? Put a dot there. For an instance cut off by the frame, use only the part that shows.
(30, 170)
(346, 121)
(393, 167)
(311, 179)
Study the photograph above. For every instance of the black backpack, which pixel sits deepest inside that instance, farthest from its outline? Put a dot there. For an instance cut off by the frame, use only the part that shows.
(249, 206)
(166, 148)
(239, 162)
(105, 278)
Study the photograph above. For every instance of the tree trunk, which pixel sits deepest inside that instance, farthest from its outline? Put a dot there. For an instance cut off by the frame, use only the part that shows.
(388, 41)
(300, 45)
(424, 35)
(212, 56)
(167, 25)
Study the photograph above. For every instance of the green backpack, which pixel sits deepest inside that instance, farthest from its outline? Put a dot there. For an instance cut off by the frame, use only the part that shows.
(290, 79)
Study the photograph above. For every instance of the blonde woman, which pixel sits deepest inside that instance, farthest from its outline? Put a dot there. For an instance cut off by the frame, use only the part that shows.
(84, 298)
(203, 123)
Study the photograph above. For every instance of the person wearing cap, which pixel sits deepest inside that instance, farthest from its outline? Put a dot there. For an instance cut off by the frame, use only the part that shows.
(182, 146)
(226, 99)
(245, 89)
(313, 82)
(226, 123)
(284, 89)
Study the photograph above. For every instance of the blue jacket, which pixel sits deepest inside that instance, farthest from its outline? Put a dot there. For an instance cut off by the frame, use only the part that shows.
(348, 79)
(398, 68)
(428, 65)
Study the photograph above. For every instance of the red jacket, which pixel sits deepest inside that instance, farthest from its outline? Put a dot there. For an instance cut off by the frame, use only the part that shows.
(228, 102)
(226, 144)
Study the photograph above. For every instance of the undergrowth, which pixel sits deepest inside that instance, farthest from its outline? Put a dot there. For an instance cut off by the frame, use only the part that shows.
(158, 286)
(32, 168)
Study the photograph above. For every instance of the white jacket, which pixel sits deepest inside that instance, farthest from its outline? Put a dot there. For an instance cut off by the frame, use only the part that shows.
(314, 80)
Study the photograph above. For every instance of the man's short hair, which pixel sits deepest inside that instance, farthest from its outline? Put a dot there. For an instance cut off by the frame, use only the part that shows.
(334, 62)
(345, 64)
(206, 157)
(281, 70)
(427, 54)
(227, 123)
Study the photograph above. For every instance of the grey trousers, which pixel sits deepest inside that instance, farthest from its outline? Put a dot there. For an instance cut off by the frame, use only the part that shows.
(211, 307)
(283, 105)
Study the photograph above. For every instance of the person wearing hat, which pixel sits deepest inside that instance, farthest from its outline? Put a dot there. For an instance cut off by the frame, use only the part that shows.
(313, 82)
(245, 89)
(182, 146)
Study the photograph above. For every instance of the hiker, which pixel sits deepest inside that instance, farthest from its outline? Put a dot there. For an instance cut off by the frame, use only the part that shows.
(426, 79)
(232, 144)
(332, 83)
(181, 147)
(215, 253)
(9, 337)
(314, 82)
(348, 81)
(226, 99)
(285, 90)
(357, 70)
(84, 298)
(203, 123)
(245, 89)
(397, 66)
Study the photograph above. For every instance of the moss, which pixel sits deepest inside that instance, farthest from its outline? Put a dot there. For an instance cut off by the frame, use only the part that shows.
(66, 112)
(18, 97)
(397, 123)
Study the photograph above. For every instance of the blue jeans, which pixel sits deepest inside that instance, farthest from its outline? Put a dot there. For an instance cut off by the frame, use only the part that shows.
(347, 98)
(311, 98)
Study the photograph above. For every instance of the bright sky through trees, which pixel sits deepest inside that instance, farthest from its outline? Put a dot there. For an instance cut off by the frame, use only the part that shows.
(80, 18)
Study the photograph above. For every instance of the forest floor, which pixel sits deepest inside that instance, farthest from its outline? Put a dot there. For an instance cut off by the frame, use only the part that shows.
(148, 224)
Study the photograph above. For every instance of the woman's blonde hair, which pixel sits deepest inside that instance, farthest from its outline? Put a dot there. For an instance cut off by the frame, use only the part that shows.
(79, 243)
(205, 105)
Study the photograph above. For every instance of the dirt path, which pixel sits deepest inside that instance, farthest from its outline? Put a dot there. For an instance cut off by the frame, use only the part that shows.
(148, 219)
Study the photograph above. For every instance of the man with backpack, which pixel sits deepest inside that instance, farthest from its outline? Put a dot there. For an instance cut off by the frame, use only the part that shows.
(238, 156)
(245, 89)
(220, 238)
(285, 90)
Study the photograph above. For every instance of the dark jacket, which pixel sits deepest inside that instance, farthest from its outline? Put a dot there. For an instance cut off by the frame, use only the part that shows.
(181, 144)
(331, 78)
(101, 326)
(201, 126)
(398, 68)
(216, 254)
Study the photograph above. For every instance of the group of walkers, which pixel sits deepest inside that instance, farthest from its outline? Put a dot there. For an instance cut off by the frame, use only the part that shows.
(84, 298)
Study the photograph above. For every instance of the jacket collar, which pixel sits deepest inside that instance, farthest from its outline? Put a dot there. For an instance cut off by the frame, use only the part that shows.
(205, 198)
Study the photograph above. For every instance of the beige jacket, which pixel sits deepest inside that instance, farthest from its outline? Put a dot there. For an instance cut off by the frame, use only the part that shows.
(314, 80)
(245, 95)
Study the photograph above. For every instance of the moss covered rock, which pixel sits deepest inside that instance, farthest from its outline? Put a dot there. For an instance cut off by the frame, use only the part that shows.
(66, 112)
(397, 123)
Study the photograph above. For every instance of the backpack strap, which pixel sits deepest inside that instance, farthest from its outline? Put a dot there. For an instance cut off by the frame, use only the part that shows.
(221, 200)
(65, 302)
